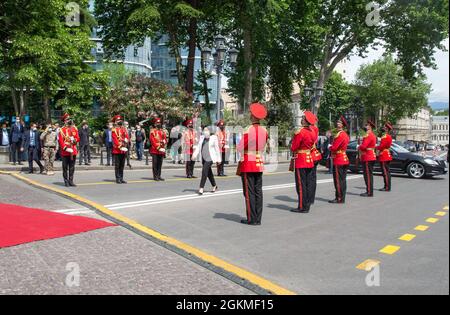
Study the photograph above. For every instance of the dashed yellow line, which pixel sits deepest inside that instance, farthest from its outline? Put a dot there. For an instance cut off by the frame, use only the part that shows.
(432, 220)
(390, 249)
(208, 258)
(368, 265)
(407, 237)
(421, 228)
(441, 214)
(445, 208)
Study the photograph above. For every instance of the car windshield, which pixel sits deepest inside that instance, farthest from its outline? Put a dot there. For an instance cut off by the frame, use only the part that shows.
(399, 149)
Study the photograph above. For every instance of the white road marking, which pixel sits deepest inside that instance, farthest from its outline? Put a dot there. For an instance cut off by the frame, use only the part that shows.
(135, 204)
(75, 211)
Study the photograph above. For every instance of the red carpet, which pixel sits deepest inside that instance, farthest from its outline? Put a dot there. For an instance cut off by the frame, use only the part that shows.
(19, 225)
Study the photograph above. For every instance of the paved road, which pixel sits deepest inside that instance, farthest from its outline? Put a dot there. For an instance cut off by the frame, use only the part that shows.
(308, 254)
(111, 261)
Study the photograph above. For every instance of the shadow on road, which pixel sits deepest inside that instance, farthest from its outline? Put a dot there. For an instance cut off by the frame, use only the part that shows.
(229, 217)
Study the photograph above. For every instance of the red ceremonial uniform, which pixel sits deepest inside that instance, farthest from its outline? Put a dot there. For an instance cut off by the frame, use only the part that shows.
(118, 136)
(223, 140)
(339, 149)
(68, 140)
(158, 139)
(252, 145)
(316, 155)
(302, 145)
(384, 149)
(367, 147)
(190, 140)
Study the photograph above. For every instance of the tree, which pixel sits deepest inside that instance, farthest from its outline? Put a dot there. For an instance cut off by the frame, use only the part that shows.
(385, 93)
(48, 56)
(411, 29)
(139, 97)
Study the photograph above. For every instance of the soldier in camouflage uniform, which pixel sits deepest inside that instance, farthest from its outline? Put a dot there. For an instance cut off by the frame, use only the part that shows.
(49, 140)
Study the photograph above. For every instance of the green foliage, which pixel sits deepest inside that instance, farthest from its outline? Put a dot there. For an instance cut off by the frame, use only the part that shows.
(139, 97)
(386, 94)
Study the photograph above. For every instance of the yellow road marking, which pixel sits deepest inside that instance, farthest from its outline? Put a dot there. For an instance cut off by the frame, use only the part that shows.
(390, 250)
(440, 213)
(421, 228)
(432, 220)
(171, 180)
(407, 237)
(237, 271)
(368, 265)
(445, 208)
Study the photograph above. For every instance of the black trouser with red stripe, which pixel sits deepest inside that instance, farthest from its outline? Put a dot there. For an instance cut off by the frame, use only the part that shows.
(252, 184)
(314, 182)
(221, 166)
(386, 168)
(119, 165)
(190, 165)
(157, 163)
(304, 184)
(340, 181)
(368, 176)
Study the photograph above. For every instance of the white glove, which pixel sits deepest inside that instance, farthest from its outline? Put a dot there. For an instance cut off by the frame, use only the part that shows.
(124, 149)
(227, 147)
(69, 150)
(329, 146)
(126, 140)
(162, 150)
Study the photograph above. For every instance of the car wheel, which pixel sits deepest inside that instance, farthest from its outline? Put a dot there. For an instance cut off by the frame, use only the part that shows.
(416, 170)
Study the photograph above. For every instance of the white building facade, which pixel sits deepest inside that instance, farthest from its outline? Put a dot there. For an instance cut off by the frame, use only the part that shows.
(440, 130)
(416, 128)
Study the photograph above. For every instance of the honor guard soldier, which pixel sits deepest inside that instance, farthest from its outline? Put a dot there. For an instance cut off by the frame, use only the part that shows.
(223, 146)
(251, 167)
(121, 140)
(340, 161)
(189, 143)
(68, 139)
(317, 157)
(385, 156)
(158, 139)
(368, 157)
(302, 146)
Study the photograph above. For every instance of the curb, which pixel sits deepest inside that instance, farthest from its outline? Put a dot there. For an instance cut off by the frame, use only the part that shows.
(229, 271)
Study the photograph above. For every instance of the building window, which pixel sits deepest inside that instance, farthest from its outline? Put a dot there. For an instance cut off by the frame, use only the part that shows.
(136, 51)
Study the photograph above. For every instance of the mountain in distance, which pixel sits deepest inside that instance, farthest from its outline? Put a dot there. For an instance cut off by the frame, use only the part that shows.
(438, 105)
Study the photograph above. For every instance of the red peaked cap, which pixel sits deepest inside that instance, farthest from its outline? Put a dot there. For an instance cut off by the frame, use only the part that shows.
(344, 121)
(117, 118)
(188, 121)
(156, 120)
(259, 111)
(220, 123)
(65, 117)
(310, 117)
(388, 126)
(371, 123)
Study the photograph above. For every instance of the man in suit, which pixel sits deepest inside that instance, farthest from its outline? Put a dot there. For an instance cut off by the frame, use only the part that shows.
(5, 137)
(16, 138)
(108, 140)
(85, 150)
(32, 145)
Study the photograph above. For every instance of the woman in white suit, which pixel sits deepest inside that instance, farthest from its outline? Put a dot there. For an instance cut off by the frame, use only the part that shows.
(209, 149)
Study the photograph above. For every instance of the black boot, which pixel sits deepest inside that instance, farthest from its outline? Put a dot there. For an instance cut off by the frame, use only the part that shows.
(366, 195)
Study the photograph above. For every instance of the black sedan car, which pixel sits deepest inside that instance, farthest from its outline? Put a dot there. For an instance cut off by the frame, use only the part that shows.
(404, 162)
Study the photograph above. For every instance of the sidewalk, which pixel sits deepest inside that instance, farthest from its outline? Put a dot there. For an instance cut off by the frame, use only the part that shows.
(111, 260)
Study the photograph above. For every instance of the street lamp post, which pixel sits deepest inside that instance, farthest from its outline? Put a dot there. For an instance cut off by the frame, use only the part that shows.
(314, 93)
(219, 63)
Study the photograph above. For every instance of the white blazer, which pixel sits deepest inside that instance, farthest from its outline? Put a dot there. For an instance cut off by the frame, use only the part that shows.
(214, 150)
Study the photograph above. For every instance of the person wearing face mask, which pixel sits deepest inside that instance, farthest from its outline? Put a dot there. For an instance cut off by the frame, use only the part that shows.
(32, 145)
(158, 139)
(108, 141)
(121, 141)
(368, 157)
(17, 132)
(140, 140)
(385, 157)
(189, 143)
(85, 149)
(4, 136)
(209, 148)
(68, 139)
(49, 140)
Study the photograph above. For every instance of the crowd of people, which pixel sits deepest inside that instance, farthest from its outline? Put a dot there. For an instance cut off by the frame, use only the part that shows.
(209, 146)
